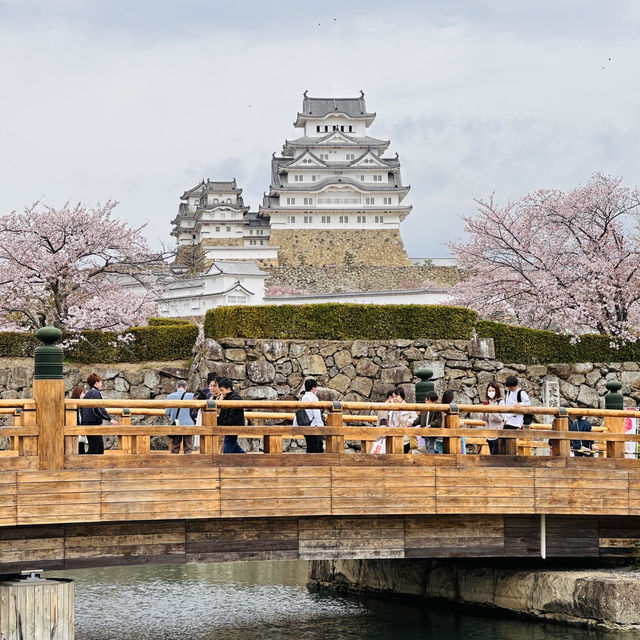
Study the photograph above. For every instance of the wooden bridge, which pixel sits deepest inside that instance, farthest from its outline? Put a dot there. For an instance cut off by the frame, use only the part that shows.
(59, 509)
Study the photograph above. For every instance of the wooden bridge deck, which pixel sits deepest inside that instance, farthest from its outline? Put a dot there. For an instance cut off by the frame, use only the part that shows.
(137, 506)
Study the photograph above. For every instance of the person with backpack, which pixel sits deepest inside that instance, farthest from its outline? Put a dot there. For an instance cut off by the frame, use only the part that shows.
(515, 397)
(180, 417)
(230, 416)
(310, 417)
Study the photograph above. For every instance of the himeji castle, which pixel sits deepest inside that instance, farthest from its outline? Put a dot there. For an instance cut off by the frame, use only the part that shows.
(334, 198)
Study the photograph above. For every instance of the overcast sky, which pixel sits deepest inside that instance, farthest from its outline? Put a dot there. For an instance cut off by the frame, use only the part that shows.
(139, 100)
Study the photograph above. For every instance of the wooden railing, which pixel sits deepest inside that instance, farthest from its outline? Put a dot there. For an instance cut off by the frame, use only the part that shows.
(344, 421)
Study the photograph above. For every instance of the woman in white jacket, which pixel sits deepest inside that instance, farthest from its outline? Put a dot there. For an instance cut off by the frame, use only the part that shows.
(494, 420)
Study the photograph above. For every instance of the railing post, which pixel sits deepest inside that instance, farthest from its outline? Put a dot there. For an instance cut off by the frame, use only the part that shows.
(451, 421)
(335, 444)
(70, 442)
(48, 393)
(16, 422)
(210, 444)
(614, 400)
(125, 442)
(425, 385)
(272, 444)
(561, 423)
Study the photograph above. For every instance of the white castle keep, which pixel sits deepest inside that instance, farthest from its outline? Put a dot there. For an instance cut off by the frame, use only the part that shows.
(334, 198)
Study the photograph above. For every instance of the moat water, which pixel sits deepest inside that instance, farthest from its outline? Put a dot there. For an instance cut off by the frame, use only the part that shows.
(269, 600)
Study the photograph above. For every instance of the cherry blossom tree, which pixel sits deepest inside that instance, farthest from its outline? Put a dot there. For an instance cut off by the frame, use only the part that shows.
(569, 262)
(67, 266)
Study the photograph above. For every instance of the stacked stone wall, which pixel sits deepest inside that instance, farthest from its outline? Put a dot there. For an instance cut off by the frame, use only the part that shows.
(378, 247)
(366, 370)
(341, 278)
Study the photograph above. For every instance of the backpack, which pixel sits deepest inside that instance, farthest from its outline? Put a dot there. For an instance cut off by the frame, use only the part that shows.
(527, 419)
(302, 418)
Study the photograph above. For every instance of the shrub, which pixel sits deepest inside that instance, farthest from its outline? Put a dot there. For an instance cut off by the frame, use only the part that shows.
(341, 322)
(156, 322)
(524, 345)
(17, 345)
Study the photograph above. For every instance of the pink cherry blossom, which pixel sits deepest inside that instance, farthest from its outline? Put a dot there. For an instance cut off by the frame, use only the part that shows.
(65, 266)
(569, 262)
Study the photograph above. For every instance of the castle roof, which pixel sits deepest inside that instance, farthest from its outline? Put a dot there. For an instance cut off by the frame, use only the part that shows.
(342, 139)
(318, 108)
(209, 186)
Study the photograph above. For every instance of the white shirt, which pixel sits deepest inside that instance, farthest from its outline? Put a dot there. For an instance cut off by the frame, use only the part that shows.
(314, 414)
(511, 398)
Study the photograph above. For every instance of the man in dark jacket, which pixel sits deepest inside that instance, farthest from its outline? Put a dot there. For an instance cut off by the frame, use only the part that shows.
(97, 415)
(230, 416)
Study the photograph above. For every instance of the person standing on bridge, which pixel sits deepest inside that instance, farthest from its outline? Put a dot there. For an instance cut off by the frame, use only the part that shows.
(493, 420)
(180, 417)
(314, 443)
(230, 416)
(514, 397)
(95, 416)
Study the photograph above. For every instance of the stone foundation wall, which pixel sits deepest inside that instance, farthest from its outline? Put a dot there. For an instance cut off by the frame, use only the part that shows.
(148, 381)
(340, 247)
(366, 370)
(338, 278)
(594, 597)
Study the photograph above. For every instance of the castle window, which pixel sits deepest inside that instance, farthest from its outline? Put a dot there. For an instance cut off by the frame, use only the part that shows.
(228, 229)
(215, 201)
(362, 219)
(313, 178)
(308, 200)
(326, 219)
(218, 229)
(291, 200)
(387, 200)
(297, 177)
(350, 128)
(194, 236)
(342, 128)
(318, 128)
(326, 128)
(292, 219)
(369, 200)
(250, 232)
(335, 127)
(344, 219)
(377, 178)
(236, 299)
(308, 219)
(261, 241)
(351, 156)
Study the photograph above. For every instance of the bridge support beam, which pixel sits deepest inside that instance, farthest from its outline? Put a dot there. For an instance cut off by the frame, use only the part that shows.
(33, 607)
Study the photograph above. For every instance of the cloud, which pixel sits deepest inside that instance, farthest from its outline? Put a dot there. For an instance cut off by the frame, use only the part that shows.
(116, 100)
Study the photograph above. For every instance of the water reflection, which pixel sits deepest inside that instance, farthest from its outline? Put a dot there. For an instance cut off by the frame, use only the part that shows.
(269, 600)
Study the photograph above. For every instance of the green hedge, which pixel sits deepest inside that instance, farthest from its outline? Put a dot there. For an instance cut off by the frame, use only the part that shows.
(524, 345)
(156, 322)
(163, 340)
(17, 345)
(341, 322)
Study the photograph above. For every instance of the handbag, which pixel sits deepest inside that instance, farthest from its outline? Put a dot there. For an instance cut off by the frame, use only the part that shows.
(379, 446)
